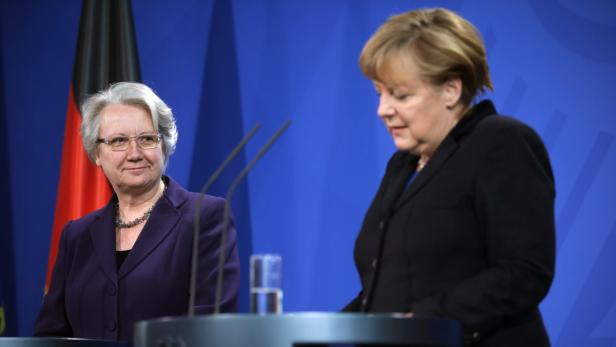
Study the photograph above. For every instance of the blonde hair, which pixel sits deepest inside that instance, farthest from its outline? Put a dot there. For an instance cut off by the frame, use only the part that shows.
(442, 44)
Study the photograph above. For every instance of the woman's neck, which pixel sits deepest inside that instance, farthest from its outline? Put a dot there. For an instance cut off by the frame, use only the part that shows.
(130, 202)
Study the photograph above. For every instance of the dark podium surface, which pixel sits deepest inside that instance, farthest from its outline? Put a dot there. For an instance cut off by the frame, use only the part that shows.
(56, 342)
(298, 329)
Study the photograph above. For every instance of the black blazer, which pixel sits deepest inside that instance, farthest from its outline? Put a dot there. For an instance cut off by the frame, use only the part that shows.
(471, 238)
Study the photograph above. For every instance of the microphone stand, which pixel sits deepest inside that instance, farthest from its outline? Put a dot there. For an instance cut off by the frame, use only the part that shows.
(232, 187)
(195, 243)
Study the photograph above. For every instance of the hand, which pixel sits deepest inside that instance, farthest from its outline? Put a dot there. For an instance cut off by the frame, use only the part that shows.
(408, 315)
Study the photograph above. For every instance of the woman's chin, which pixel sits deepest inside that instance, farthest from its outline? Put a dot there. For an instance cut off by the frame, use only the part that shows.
(406, 145)
(135, 183)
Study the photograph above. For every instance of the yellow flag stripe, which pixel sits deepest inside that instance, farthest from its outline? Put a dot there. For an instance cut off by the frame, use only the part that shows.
(2, 324)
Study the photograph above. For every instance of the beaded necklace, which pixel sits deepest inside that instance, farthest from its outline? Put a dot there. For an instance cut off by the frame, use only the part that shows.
(120, 224)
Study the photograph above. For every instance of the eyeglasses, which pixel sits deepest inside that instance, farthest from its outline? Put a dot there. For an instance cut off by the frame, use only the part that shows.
(120, 142)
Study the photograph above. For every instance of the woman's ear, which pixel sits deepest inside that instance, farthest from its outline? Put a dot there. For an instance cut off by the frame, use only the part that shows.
(452, 92)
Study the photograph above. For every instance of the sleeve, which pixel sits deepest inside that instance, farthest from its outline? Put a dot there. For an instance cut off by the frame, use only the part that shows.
(52, 319)
(209, 252)
(354, 305)
(514, 204)
(395, 164)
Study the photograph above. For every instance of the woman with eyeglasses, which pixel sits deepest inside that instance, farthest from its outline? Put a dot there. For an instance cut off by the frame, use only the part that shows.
(131, 260)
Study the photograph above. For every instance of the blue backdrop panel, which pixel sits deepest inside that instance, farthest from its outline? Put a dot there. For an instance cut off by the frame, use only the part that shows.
(7, 257)
(220, 126)
(223, 66)
(38, 46)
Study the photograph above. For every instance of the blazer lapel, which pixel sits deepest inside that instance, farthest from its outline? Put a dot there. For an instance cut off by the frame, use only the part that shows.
(445, 151)
(163, 219)
(103, 240)
(395, 183)
(447, 148)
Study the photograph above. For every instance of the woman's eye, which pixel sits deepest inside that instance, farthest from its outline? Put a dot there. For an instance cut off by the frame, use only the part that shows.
(146, 139)
(119, 140)
(401, 97)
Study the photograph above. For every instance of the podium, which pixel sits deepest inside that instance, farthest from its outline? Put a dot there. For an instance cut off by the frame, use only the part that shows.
(298, 329)
(57, 342)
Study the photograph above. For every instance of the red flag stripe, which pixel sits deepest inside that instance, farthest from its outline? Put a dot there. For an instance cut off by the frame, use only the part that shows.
(82, 189)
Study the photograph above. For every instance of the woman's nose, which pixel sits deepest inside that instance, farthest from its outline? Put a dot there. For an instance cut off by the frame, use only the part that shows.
(133, 150)
(385, 109)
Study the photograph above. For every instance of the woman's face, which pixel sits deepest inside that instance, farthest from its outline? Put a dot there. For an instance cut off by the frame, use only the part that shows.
(417, 114)
(133, 170)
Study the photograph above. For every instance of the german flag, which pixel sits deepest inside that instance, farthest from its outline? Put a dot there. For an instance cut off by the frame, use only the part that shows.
(106, 53)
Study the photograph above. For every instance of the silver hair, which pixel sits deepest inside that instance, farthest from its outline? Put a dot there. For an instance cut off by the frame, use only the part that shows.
(127, 93)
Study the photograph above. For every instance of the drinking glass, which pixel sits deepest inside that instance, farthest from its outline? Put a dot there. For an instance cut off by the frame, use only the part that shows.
(265, 284)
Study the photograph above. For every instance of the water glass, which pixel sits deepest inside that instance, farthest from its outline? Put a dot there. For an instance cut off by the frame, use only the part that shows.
(265, 283)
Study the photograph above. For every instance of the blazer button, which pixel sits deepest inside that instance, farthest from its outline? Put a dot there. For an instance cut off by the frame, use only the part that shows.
(374, 263)
(475, 335)
(381, 225)
(112, 325)
(364, 302)
(111, 289)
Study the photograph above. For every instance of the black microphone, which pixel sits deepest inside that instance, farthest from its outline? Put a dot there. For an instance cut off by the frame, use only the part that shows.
(195, 252)
(225, 227)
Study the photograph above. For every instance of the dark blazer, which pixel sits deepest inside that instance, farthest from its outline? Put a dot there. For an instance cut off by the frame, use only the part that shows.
(471, 238)
(89, 298)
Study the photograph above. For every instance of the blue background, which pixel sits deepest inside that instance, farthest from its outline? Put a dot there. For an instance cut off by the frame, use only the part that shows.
(223, 66)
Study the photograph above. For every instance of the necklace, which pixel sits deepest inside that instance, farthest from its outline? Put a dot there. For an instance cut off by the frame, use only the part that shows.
(120, 224)
(420, 165)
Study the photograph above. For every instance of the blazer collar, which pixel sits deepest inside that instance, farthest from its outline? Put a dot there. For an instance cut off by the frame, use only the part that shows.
(446, 149)
(164, 217)
(399, 171)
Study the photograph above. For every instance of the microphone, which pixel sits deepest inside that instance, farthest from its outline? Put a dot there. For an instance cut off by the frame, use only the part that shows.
(225, 227)
(195, 256)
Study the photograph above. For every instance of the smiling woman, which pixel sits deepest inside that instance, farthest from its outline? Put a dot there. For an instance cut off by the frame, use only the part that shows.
(130, 260)
(132, 170)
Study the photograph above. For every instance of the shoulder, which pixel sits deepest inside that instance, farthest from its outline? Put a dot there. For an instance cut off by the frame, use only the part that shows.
(485, 125)
(506, 140)
(497, 126)
(498, 134)
(209, 204)
(77, 228)
(506, 129)
(187, 201)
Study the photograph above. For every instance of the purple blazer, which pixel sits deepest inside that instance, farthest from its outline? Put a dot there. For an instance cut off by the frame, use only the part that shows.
(89, 298)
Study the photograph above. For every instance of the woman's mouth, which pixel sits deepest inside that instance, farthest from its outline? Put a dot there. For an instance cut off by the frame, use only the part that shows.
(135, 170)
(397, 130)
